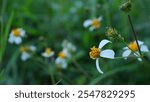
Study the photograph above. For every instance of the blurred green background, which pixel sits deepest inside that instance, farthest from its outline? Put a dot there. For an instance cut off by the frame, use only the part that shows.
(57, 20)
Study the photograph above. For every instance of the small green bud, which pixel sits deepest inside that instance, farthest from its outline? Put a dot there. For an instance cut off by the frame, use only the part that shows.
(126, 7)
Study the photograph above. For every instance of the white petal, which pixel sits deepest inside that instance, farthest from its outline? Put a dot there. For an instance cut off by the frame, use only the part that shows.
(125, 48)
(140, 59)
(91, 28)
(17, 40)
(25, 56)
(103, 43)
(32, 48)
(98, 67)
(87, 23)
(47, 55)
(126, 53)
(100, 18)
(144, 48)
(140, 42)
(57, 61)
(64, 65)
(22, 32)
(137, 54)
(11, 39)
(107, 54)
(61, 63)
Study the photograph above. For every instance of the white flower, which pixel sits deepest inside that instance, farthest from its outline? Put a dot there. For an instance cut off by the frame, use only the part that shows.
(32, 48)
(26, 52)
(62, 59)
(93, 23)
(16, 36)
(69, 46)
(48, 53)
(132, 47)
(60, 62)
(25, 56)
(95, 53)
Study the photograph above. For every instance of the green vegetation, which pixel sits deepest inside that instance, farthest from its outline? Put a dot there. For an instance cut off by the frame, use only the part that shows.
(51, 23)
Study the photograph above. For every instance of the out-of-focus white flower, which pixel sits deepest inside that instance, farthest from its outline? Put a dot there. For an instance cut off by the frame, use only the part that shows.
(61, 60)
(48, 53)
(61, 63)
(133, 48)
(16, 36)
(32, 48)
(25, 56)
(26, 52)
(93, 23)
(69, 46)
(95, 53)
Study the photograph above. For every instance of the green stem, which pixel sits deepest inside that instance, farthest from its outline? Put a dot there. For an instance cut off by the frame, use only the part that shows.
(58, 82)
(80, 67)
(134, 34)
(93, 8)
(51, 75)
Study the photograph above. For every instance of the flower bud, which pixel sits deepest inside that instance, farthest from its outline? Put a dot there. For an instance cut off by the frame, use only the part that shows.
(112, 33)
(126, 7)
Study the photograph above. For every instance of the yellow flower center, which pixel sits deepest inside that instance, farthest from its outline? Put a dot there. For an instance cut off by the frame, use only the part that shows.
(23, 49)
(16, 32)
(61, 55)
(94, 53)
(95, 23)
(133, 46)
(48, 51)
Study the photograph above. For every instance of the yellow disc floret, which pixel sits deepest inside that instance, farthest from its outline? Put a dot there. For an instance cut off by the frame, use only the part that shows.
(95, 23)
(133, 46)
(23, 49)
(94, 53)
(61, 55)
(16, 32)
(48, 51)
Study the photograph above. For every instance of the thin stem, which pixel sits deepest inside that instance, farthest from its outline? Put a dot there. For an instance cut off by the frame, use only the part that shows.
(80, 68)
(134, 34)
(58, 82)
(51, 72)
(93, 8)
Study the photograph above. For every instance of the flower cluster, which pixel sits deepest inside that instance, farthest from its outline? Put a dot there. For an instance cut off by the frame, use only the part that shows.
(16, 37)
(27, 51)
(136, 48)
